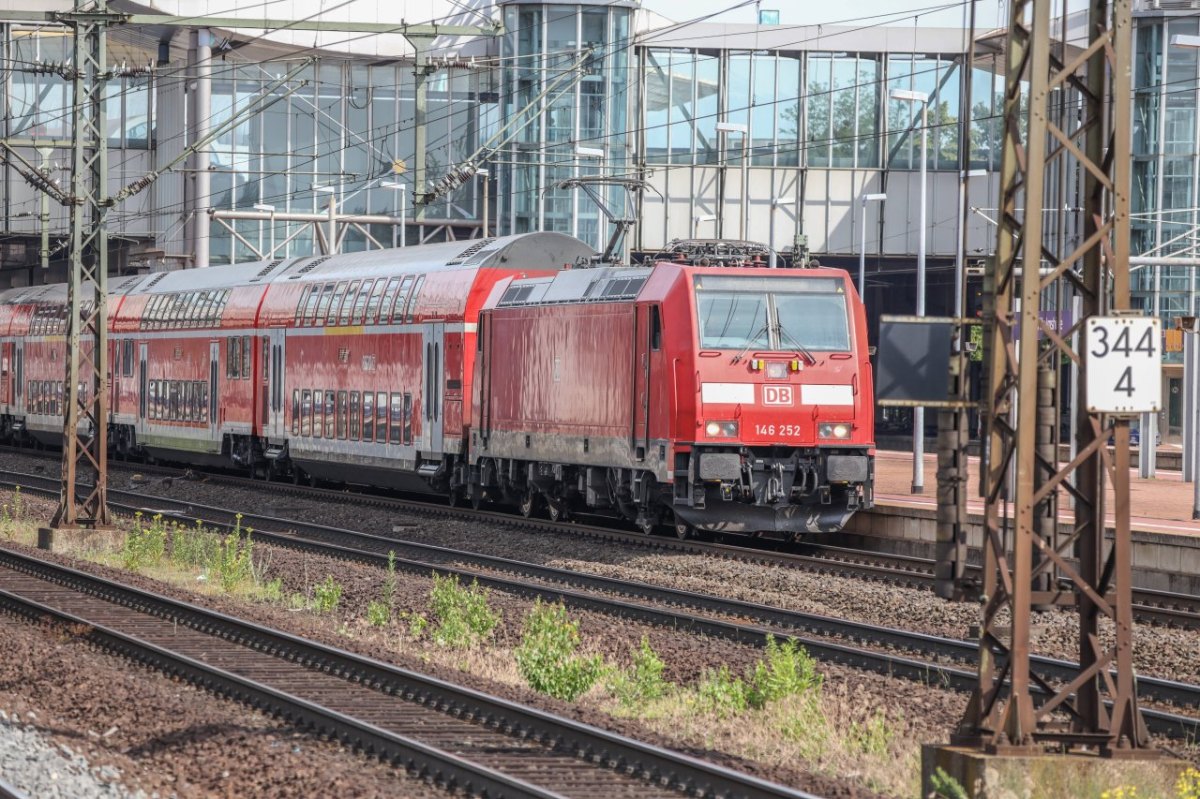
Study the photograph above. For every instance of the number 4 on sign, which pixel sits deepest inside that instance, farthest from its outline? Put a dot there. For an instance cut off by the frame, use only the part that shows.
(1124, 365)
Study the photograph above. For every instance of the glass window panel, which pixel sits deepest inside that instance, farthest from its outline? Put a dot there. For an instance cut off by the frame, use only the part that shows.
(943, 118)
(762, 112)
(817, 110)
(368, 416)
(683, 109)
(656, 105)
(707, 84)
(868, 112)
(901, 114)
(844, 114)
(789, 110)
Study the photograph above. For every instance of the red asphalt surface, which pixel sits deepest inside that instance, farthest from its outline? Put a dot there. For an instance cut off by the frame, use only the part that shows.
(1160, 505)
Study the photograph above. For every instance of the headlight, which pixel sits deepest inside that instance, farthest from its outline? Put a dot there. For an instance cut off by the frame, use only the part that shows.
(721, 429)
(833, 430)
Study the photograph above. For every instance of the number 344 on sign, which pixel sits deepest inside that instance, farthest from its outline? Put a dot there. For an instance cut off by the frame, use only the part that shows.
(1124, 364)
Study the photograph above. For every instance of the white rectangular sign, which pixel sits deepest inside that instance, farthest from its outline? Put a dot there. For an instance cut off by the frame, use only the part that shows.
(1124, 364)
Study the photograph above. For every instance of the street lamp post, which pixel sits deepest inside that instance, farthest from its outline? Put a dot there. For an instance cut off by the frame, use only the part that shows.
(775, 203)
(918, 481)
(725, 128)
(862, 244)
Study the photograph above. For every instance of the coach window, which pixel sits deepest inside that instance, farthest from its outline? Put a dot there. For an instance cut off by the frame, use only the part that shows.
(295, 411)
(173, 400)
(338, 294)
(360, 303)
(233, 357)
(368, 416)
(306, 414)
(374, 302)
(266, 360)
(127, 358)
(330, 410)
(412, 301)
(354, 416)
(402, 300)
(189, 400)
(323, 305)
(343, 414)
(300, 304)
(202, 400)
(152, 399)
(655, 328)
(381, 416)
(310, 305)
(348, 303)
(318, 404)
(397, 417)
(408, 418)
(245, 357)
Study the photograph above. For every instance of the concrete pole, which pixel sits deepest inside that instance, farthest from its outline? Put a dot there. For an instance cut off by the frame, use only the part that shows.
(331, 230)
(44, 216)
(1147, 447)
(421, 72)
(773, 258)
(745, 215)
(918, 481)
(201, 108)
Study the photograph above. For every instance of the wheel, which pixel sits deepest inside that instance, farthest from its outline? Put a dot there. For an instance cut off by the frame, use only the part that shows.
(528, 505)
(558, 512)
(683, 530)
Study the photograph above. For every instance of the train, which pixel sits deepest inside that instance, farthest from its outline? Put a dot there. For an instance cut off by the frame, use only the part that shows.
(700, 392)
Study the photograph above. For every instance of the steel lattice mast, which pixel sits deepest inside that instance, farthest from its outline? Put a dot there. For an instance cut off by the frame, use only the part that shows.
(1019, 555)
(85, 423)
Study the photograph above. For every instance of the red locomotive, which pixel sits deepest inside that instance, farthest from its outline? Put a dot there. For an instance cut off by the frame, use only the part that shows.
(703, 391)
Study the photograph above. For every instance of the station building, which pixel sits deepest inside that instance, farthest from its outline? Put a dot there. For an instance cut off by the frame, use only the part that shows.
(773, 133)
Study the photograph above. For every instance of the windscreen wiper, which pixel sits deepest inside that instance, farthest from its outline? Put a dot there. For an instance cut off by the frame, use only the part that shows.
(750, 342)
(803, 350)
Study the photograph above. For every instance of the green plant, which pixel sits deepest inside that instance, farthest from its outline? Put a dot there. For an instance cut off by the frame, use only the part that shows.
(234, 563)
(389, 582)
(643, 681)
(272, 590)
(721, 692)
(787, 670)
(946, 787)
(873, 736)
(195, 547)
(463, 614)
(547, 656)
(327, 595)
(417, 624)
(18, 510)
(144, 544)
(378, 614)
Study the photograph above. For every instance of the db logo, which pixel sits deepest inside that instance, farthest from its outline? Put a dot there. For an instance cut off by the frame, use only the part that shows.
(777, 395)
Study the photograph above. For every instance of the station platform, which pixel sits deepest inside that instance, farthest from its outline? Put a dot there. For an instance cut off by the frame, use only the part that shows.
(1159, 505)
(1166, 541)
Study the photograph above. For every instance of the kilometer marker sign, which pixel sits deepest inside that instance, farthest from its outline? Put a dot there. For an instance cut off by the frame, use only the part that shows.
(1124, 364)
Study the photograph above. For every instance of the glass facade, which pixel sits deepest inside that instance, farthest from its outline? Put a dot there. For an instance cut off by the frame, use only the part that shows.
(1166, 151)
(343, 129)
(566, 84)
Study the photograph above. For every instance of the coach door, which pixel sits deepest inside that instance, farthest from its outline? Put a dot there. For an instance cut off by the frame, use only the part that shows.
(214, 363)
(431, 389)
(6, 371)
(273, 420)
(143, 387)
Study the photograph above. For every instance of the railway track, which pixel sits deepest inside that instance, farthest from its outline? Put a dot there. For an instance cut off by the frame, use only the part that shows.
(7, 791)
(938, 660)
(1151, 606)
(464, 739)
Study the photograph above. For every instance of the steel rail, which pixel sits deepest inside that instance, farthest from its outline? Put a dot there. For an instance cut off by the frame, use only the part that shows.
(756, 633)
(8, 791)
(658, 765)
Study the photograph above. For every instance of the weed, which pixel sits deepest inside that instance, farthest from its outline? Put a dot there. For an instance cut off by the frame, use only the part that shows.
(463, 614)
(643, 681)
(788, 670)
(546, 657)
(272, 590)
(873, 736)
(1188, 784)
(417, 624)
(327, 595)
(1121, 792)
(144, 544)
(389, 582)
(721, 692)
(946, 787)
(378, 614)
(18, 509)
(296, 601)
(234, 563)
(195, 547)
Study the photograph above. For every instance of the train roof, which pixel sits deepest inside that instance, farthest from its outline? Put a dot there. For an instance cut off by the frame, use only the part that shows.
(541, 250)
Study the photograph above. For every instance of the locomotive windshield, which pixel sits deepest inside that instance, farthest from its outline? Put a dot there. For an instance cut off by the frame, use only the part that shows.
(792, 313)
